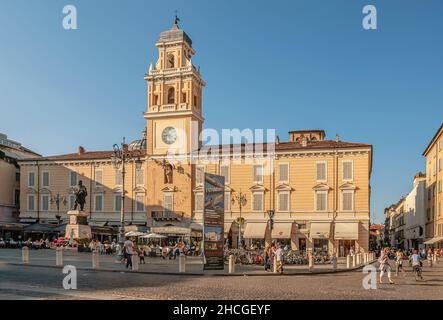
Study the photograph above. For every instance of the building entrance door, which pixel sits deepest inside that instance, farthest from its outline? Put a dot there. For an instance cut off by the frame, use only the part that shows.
(345, 246)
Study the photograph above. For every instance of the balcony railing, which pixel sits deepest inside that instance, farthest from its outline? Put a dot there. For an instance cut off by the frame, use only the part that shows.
(167, 215)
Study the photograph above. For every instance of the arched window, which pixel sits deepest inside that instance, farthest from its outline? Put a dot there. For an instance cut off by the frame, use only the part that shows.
(170, 61)
(171, 95)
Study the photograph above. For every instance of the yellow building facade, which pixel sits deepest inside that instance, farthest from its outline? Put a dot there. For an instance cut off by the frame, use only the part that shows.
(434, 180)
(319, 189)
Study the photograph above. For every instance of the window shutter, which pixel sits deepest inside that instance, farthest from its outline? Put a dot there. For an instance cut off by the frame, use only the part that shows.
(118, 203)
(140, 205)
(99, 203)
(31, 201)
(98, 178)
(284, 201)
(258, 202)
(73, 178)
(258, 173)
(45, 179)
(224, 171)
(31, 179)
(283, 172)
(321, 171)
(139, 177)
(347, 170)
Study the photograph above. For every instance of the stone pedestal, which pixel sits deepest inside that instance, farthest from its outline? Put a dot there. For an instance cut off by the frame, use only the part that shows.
(78, 227)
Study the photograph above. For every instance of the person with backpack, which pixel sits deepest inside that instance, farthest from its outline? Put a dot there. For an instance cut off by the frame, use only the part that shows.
(385, 266)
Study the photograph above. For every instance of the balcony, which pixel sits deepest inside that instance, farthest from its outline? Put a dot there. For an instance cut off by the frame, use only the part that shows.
(167, 215)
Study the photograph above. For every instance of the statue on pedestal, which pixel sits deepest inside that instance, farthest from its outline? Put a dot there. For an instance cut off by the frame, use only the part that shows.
(80, 196)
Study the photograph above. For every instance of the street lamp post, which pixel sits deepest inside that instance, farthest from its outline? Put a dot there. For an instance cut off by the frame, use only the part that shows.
(271, 224)
(58, 200)
(121, 156)
(240, 198)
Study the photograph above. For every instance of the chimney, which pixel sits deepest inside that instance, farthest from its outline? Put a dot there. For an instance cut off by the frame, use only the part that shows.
(81, 150)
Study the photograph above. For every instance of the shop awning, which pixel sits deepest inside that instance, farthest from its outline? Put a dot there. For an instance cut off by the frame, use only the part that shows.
(320, 230)
(433, 240)
(255, 230)
(282, 230)
(346, 231)
(172, 231)
(196, 226)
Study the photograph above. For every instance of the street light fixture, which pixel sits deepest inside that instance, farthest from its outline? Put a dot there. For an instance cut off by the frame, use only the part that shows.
(58, 200)
(240, 198)
(271, 214)
(121, 156)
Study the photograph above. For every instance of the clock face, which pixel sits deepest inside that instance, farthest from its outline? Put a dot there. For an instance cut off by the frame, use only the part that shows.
(169, 135)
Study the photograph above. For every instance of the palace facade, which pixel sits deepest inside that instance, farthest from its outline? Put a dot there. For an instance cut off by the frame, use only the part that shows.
(319, 189)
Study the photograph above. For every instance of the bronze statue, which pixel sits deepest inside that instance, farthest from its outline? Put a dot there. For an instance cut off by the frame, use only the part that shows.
(80, 196)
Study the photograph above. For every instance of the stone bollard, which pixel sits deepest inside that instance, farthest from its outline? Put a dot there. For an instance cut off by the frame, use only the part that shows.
(25, 255)
(59, 256)
(354, 261)
(182, 263)
(311, 262)
(231, 264)
(95, 260)
(348, 261)
(135, 262)
(275, 265)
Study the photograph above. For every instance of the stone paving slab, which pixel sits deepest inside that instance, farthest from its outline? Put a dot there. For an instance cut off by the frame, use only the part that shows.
(194, 266)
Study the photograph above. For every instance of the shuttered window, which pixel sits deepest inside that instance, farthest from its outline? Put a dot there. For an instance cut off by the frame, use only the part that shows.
(139, 177)
(321, 198)
(257, 174)
(139, 202)
(117, 203)
(45, 179)
(321, 171)
(71, 201)
(168, 203)
(224, 172)
(283, 172)
(72, 179)
(98, 202)
(31, 202)
(283, 201)
(348, 200)
(45, 203)
(257, 201)
(118, 178)
(347, 170)
(98, 178)
(31, 179)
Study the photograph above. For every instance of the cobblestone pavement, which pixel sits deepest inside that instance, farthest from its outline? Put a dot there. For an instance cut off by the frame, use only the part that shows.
(193, 264)
(25, 282)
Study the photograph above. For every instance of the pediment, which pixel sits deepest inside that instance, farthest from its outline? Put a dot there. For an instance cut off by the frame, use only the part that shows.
(257, 187)
(284, 187)
(140, 189)
(168, 189)
(31, 190)
(322, 187)
(348, 186)
(45, 191)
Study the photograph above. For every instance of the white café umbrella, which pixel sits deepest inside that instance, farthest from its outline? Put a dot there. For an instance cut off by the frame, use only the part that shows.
(134, 234)
(154, 236)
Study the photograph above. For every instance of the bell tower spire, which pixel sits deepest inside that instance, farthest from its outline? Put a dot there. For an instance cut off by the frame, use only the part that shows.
(174, 94)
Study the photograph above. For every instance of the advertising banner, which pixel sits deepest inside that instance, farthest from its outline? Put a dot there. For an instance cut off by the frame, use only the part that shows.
(213, 222)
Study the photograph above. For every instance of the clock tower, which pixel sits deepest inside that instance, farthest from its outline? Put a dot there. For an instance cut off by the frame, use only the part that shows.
(174, 113)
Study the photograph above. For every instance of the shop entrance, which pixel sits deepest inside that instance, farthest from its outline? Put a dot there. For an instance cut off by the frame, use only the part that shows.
(321, 246)
(344, 247)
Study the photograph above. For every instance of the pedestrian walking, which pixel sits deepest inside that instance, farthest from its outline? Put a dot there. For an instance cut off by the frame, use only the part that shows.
(129, 251)
(279, 254)
(429, 257)
(142, 255)
(399, 256)
(384, 265)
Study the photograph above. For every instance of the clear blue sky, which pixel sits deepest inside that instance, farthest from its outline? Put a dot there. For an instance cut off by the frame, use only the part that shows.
(268, 64)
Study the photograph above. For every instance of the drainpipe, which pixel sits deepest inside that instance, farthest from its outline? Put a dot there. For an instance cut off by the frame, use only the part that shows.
(38, 192)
